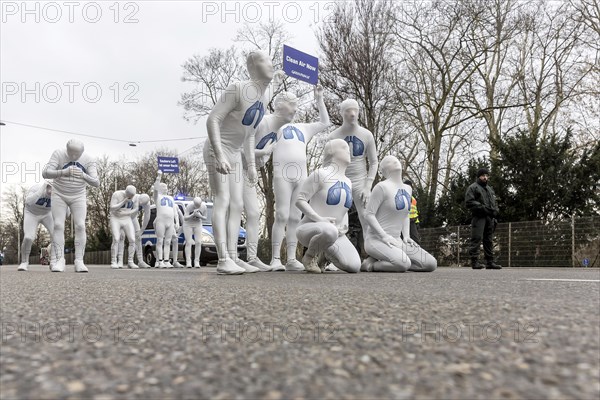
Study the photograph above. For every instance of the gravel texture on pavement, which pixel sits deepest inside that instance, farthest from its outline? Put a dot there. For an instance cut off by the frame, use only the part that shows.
(455, 333)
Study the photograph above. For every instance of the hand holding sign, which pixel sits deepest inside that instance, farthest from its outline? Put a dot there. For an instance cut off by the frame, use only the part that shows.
(319, 93)
(278, 76)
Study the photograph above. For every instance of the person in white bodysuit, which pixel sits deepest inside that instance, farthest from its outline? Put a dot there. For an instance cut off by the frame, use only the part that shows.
(362, 150)
(72, 171)
(175, 239)
(324, 199)
(388, 241)
(267, 134)
(37, 211)
(231, 125)
(289, 172)
(141, 203)
(195, 213)
(165, 223)
(123, 206)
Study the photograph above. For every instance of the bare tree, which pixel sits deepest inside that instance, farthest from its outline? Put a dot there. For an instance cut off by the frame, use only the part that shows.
(437, 63)
(212, 74)
(357, 62)
(551, 65)
(13, 208)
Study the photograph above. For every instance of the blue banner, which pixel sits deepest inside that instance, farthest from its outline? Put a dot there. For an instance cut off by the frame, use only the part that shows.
(300, 65)
(168, 165)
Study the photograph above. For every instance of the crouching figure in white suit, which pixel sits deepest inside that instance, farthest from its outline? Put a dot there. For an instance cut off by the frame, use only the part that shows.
(388, 241)
(37, 211)
(324, 199)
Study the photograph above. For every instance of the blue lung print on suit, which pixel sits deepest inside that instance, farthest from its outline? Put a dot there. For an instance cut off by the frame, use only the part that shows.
(165, 200)
(270, 138)
(290, 131)
(358, 147)
(43, 201)
(402, 200)
(129, 204)
(334, 194)
(250, 114)
(76, 164)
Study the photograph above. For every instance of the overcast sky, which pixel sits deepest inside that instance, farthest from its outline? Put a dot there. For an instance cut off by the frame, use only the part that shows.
(65, 50)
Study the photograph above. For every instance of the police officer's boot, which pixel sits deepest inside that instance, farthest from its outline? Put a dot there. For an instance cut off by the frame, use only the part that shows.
(492, 265)
(475, 264)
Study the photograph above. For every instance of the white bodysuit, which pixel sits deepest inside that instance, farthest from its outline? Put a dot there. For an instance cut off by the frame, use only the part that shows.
(289, 173)
(390, 204)
(329, 197)
(70, 192)
(238, 114)
(37, 211)
(362, 149)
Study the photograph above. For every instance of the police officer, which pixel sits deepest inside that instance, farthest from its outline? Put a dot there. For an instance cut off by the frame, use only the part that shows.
(414, 216)
(481, 200)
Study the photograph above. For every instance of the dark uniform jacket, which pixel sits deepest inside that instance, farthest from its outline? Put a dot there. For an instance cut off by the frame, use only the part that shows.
(481, 200)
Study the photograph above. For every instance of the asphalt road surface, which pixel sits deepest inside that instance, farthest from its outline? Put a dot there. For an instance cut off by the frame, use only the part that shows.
(156, 334)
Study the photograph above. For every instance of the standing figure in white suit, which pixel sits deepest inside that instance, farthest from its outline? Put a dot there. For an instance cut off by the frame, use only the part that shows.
(72, 171)
(267, 135)
(231, 125)
(388, 241)
(37, 211)
(175, 239)
(195, 213)
(324, 199)
(289, 172)
(123, 205)
(141, 203)
(362, 150)
(165, 223)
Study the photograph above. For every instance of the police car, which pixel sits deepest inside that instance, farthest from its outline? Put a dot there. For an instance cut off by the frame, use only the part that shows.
(209, 249)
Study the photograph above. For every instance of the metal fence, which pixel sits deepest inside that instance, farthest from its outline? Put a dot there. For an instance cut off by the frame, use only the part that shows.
(90, 257)
(572, 243)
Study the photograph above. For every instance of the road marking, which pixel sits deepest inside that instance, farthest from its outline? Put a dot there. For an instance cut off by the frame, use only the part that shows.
(565, 280)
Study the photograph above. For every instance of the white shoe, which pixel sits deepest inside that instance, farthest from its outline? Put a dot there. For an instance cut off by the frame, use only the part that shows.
(367, 265)
(249, 269)
(59, 266)
(114, 265)
(228, 267)
(188, 264)
(260, 265)
(167, 264)
(176, 264)
(159, 264)
(294, 265)
(23, 266)
(277, 266)
(143, 264)
(80, 266)
(132, 265)
(197, 265)
(331, 267)
(311, 264)
(120, 264)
